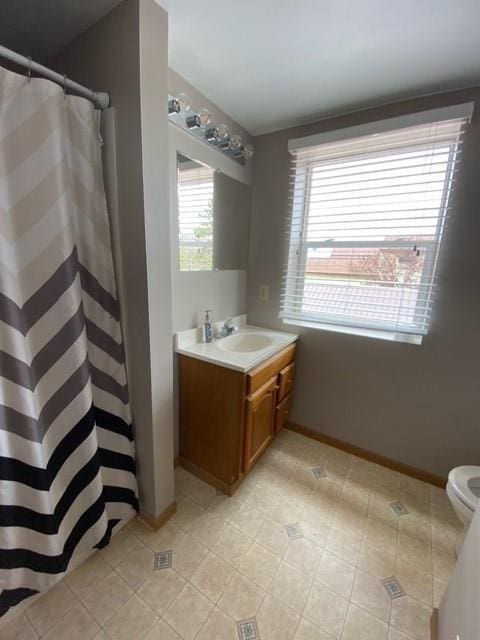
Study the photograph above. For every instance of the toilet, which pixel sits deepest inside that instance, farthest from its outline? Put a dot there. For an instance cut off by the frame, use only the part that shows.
(463, 490)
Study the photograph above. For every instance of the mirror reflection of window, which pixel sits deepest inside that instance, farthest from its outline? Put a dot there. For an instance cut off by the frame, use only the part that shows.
(195, 215)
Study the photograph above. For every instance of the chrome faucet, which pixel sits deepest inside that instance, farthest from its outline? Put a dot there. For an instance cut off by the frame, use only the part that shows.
(227, 330)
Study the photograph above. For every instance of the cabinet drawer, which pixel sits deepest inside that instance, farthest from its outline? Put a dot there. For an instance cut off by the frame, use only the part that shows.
(257, 377)
(281, 414)
(285, 381)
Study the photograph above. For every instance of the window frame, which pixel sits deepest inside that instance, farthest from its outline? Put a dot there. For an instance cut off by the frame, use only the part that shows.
(300, 246)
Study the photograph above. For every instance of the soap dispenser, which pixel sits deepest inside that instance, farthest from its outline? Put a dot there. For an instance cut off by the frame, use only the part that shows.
(207, 326)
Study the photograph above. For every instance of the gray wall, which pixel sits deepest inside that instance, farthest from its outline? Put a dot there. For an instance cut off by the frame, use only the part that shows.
(126, 54)
(419, 405)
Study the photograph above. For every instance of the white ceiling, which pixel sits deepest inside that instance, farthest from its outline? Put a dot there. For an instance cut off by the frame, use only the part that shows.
(270, 64)
(41, 28)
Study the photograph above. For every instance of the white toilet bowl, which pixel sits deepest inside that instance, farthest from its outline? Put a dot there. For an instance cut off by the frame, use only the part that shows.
(463, 490)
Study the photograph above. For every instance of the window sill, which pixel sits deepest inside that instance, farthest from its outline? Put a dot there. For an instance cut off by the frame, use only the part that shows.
(379, 334)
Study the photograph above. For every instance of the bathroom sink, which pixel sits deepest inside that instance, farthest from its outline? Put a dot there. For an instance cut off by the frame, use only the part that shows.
(245, 342)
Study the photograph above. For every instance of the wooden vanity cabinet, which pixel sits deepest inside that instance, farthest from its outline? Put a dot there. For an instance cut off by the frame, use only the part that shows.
(228, 418)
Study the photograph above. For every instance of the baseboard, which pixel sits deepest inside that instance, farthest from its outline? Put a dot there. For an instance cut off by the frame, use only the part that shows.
(207, 477)
(434, 635)
(431, 478)
(160, 520)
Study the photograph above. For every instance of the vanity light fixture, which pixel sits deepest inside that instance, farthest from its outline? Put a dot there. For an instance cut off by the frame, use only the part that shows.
(201, 126)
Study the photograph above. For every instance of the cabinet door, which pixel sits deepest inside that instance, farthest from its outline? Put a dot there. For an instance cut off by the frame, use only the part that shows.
(260, 420)
(285, 381)
(281, 416)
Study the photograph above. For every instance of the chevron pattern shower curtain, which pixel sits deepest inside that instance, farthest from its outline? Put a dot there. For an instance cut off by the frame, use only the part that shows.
(67, 474)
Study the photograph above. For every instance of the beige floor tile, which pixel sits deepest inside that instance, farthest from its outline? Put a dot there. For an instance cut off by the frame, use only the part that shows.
(139, 528)
(248, 520)
(395, 634)
(242, 598)
(336, 574)
(369, 593)
(165, 538)
(188, 612)
(212, 577)
(444, 538)
(218, 627)
(380, 535)
(273, 536)
(285, 511)
(379, 507)
(443, 564)
(308, 631)
(137, 566)
(88, 575)
(349, 518)
(161, 631)
(50, 608)
(187, 555)
(304, 555)
(361, 625)
(326, 609)
(439, 587)
(375, 562)
(101, 635)
(184, 481)
(319, 516)
(275, 621)
(207, 529)
(415, 527)
(262, 498)
(187, 513)
(104, 600)
(232, 545)
(18, 628)
(160, 589)
(344, 544)
(415, 552)
(259, 565)
(77, 624)
(295, 491)
(202, 493)
(224, 507)
(291, 586)
(387, 478)
(412, 617)
(314, 533)
(133, 620)
(415, 582)
(120, 546)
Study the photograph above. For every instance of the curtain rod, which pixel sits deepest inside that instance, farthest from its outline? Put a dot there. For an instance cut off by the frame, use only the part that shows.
(101, 99)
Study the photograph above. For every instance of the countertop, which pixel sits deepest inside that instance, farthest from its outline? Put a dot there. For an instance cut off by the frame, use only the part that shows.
(190, 343)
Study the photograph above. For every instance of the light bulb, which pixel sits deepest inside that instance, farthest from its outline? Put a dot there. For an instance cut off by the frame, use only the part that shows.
(222, 133)
(183, 102)
(235, 143)
(205, 117)
(248, 151)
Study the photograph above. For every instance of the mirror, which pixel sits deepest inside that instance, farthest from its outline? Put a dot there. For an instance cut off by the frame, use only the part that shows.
(213, 218)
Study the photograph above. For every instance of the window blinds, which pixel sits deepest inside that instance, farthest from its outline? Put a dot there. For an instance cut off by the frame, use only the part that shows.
(195, 217)
(367, 219)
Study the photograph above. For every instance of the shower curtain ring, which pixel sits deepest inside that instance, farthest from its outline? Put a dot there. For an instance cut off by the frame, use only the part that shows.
(29, 70)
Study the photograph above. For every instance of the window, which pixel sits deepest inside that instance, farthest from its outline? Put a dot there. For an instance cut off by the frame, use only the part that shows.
(195, 216)
(368, 216)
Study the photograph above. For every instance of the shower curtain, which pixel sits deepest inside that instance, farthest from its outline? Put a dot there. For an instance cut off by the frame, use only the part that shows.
(67, 473)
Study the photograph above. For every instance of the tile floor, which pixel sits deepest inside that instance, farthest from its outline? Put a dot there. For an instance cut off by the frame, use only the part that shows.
(303, 551)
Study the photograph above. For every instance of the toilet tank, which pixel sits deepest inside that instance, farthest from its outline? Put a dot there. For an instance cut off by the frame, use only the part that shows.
(459, 612)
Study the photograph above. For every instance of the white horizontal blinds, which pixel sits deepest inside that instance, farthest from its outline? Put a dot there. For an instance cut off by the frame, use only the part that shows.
(195, 217)
(367, 220)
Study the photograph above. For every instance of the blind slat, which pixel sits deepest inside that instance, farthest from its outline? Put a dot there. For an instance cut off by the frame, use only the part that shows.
(367, 219)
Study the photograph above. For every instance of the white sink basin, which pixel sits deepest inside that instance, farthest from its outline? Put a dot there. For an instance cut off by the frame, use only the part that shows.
(245, 342)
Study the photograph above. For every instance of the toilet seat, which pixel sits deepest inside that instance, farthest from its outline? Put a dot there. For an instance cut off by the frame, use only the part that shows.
(465, 482)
